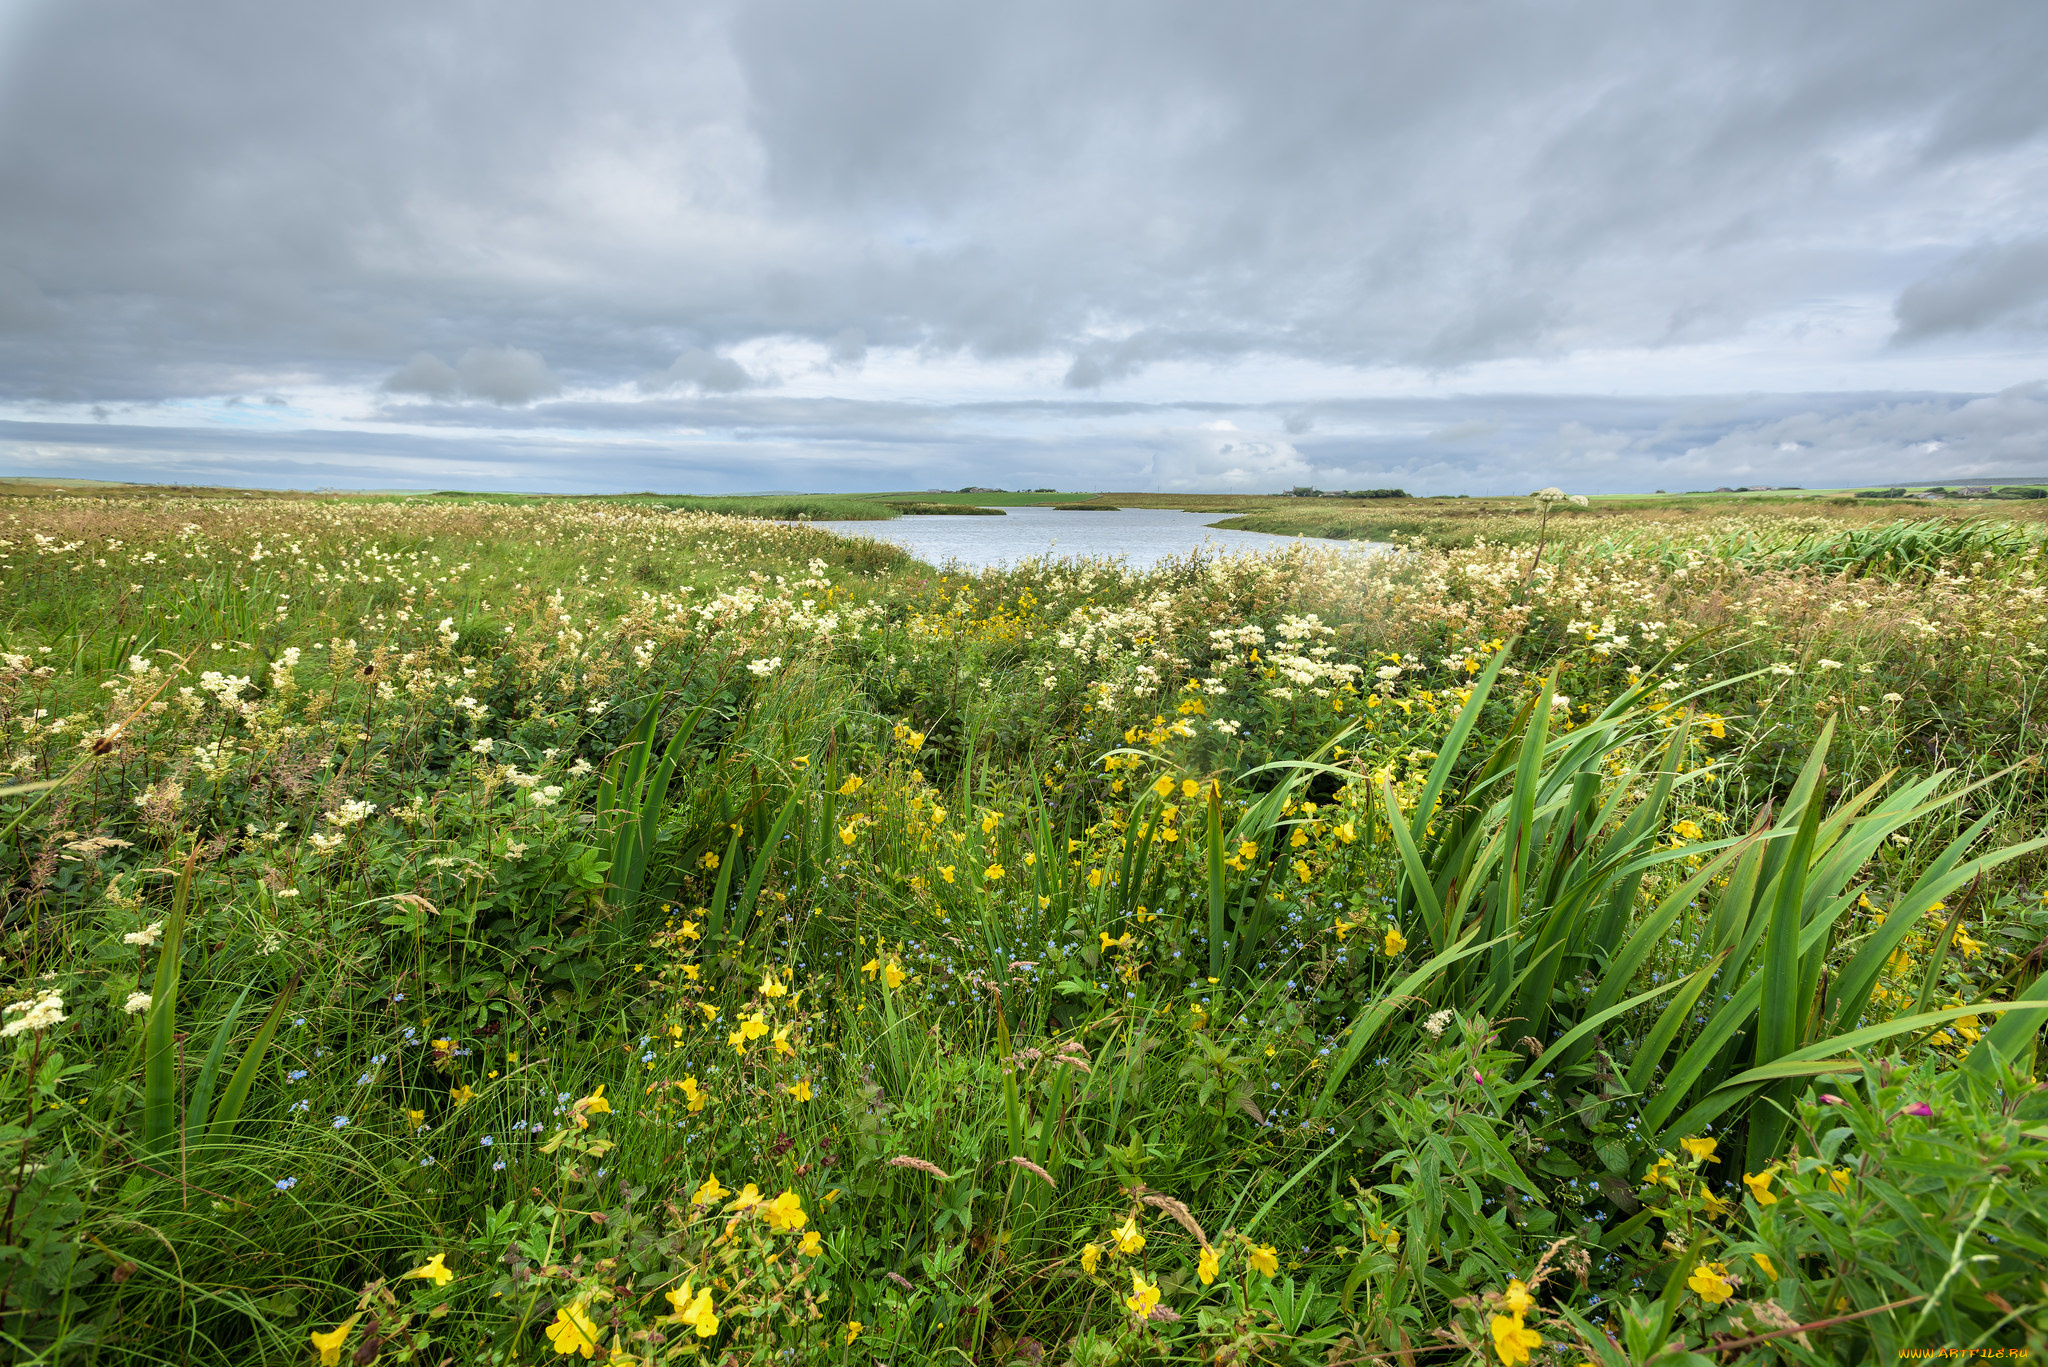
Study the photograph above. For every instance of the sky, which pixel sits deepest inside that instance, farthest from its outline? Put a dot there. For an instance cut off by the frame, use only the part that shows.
(1467, 246)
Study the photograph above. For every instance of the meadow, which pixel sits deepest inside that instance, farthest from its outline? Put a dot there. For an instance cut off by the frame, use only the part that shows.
(455, 930)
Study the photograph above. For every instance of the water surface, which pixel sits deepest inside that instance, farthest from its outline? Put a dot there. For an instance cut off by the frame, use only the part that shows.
(1141, 537)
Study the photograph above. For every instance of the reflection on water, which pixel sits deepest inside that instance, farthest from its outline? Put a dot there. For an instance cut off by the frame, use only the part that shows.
(1141, 537)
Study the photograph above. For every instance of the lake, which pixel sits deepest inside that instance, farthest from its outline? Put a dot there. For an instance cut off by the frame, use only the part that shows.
(1141, 537)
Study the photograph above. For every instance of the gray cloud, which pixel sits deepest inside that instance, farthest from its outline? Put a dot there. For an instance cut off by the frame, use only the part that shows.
(2000, 283)
(427, 374)
(706, 371)
(501, 375)
(211, 200)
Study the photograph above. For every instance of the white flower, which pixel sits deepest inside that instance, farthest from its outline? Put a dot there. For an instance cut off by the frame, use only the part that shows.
(1894, 697)
(39, 1013)
(515, 849)
(482, 746)
(1783, 669)
(1830, 664)
(146, 937)
(137, 1002)
(324, 842)
(580, 767)
(763, 668)
(1436, 1023)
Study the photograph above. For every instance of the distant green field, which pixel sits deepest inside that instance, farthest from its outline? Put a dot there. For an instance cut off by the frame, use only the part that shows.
(1002, 500)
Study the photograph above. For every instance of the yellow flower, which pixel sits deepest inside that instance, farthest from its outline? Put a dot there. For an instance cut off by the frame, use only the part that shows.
(462, 1095)
(990, 822)
(434, 1270)
(871, 967)
(1759, 1185)
(1839, 1180)
(893, 975)
(695, 1096)
(1394, 943)
(1164, 787)
(1264, 1260)
(1763, 1260)
(946, 871)
(812, 1245)
(801, 1090)
(848, 832)
(1128, 1239)
(853, 1328)
(1206, 1265)
(786, 1212)
(783, 1047)
(993, 873)
(1513, 1340)
(710, 1193)
(1345, 832)
(851, 786)
(749, 1196)
(585, 1107)
(329, 1343)
(770, 988)
(1095, 878)
(1687, 830)
(573, 1331)
(1701, 1149)
(1518, 1300)
(1298, 839)
(1144, 1295)
(1716, 1207)
(694, 1310)
(1122, 941)
(709, 861)
(1710, 1280)
(416, 1118)
(1189, 790)
(1091, 1258)
(710, 1011)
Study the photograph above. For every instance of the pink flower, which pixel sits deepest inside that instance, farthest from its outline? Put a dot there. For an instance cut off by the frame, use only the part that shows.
(1919, 1108)
(1830, 1099)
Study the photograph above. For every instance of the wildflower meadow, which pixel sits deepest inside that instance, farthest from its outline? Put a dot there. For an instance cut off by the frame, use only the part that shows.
(458, 931)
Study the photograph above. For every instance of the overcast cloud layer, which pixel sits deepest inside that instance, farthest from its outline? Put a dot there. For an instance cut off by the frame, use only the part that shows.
(1459, 246)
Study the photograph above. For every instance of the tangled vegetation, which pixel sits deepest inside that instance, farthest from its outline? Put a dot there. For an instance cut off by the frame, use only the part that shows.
(501, 932)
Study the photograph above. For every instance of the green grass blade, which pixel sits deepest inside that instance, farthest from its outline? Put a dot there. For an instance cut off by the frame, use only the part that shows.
(229, 1112)
(159, 1031)
(1363, 1030)
(209, 1071)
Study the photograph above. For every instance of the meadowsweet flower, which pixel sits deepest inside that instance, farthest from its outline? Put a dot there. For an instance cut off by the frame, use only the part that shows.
(574, 1331)
(145, 938)
(38, 1013)
(1710, 1282)
(137, 1002)
(435, 1270)
(328, 1345)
